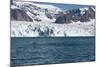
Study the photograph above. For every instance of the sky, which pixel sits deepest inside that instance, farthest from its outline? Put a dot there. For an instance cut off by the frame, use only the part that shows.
(64, 6)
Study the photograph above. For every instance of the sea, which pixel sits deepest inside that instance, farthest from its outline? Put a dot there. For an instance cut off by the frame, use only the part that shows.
(51, 50)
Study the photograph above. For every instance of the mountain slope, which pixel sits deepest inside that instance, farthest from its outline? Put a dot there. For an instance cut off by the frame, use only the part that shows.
(29, 19)
(35, 11)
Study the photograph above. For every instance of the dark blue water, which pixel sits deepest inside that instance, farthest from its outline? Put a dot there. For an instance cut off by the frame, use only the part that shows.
(34, 51)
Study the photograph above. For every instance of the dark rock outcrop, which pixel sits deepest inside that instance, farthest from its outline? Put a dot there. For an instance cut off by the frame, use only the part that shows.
(19, 15)
(63, 19)
(50, 16)
(89, 14)
(75, 15)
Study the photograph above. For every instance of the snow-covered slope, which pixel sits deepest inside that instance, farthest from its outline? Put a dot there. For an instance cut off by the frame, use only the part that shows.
(36, 11)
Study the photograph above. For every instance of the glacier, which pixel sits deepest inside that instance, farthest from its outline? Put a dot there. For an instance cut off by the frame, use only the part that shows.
(45, 29)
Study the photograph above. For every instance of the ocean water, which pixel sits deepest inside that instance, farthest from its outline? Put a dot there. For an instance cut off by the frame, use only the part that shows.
(49, 50)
